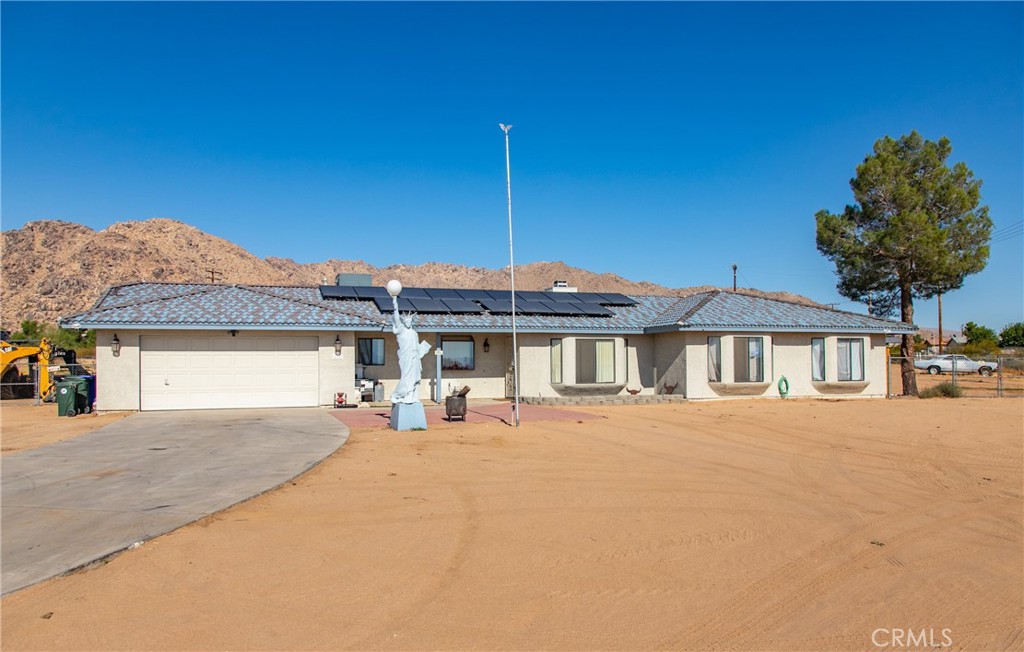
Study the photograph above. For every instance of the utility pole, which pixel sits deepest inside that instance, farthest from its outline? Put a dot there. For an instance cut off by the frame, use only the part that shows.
(940, 322)
(734, 277)
(214, 274)
(512, 272)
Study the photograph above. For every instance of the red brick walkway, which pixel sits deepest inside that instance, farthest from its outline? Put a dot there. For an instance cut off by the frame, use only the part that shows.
(496, 412)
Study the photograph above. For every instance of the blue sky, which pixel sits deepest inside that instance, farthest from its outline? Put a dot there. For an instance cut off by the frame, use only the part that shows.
(660, 141)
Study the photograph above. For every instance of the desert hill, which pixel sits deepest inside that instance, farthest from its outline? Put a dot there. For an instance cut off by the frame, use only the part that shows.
(53, 268)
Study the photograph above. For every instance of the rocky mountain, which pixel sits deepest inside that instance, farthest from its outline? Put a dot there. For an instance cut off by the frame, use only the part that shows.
(53, 268)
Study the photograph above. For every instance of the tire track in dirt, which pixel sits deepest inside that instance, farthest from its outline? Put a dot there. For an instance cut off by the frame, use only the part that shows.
(449, 574)
(761, 606)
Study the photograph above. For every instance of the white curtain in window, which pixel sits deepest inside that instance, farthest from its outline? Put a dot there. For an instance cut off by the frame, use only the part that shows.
(843, 359)
(715, 359)
(817, 358)
(851, 359)
(605, 361)
(754, 353)
(856, 359)
(556, 361)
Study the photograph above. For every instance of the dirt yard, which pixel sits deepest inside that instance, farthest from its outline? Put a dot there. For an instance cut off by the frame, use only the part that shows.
(24, 425)
(744, 525)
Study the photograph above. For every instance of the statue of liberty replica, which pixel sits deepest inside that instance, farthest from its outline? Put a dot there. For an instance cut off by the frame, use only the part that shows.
(406, 407)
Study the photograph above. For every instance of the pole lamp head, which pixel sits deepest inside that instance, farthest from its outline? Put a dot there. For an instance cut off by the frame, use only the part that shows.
(115, 346)
(394, 287)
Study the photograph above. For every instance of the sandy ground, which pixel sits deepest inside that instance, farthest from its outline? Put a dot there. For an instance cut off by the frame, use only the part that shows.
(771, 525)
(25, 425)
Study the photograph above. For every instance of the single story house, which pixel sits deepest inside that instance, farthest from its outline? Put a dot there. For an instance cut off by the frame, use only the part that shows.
(165, 346)
(930, 340)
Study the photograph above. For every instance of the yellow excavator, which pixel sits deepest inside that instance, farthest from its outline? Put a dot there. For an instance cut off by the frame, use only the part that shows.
(17, 360)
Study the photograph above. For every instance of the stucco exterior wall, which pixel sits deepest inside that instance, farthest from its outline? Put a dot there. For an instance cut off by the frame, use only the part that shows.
(486, 379)
(793, 360)
(669, 355)
(789, 355)
(642, 362)
(118, 378)
(535, 363)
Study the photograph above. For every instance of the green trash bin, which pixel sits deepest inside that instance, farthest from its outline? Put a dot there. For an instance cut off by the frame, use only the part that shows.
(67, 398)
(84, 389)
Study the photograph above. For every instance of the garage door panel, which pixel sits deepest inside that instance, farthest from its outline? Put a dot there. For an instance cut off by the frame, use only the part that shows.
(201, 372)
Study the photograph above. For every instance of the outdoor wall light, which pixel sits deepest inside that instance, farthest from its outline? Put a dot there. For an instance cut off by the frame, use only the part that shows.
(487, 346)
(115, 346)
(232, 332)
(337, 345)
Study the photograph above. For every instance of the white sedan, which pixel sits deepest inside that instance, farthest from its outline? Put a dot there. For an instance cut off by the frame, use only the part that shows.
(944, 364)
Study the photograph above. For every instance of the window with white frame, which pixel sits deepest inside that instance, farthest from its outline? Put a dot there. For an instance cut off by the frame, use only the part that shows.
(817, 358)
(458, 353)
(714, 359)
(556, 360)
(748, 358)
(370, 350)
(850, 359)
(595, 361)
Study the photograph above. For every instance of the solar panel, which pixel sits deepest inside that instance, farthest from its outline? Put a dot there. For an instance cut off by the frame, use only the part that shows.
(385, 305)
(500, 295)
(415, 293)
(338, 292)
(560, 297)
(498, 307)
(588, 297)
(531, 308)
(476, 295)
(442, 293)
(557, 308)
(529, 295)
(616, 299)
(372, 292)
(462, 306)
(429, 305)
(592, 310)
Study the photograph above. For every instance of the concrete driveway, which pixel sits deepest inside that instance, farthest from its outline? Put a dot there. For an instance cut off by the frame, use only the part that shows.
(78, 501)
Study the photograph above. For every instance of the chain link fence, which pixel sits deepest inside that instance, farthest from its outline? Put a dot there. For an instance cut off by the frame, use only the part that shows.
(1005, 381)
(21, 379)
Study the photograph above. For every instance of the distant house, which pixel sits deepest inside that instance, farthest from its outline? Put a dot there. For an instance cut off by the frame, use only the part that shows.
(195, 346)
(930, 339)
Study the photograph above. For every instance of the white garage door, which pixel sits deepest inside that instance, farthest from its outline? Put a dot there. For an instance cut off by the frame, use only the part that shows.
(196, 372)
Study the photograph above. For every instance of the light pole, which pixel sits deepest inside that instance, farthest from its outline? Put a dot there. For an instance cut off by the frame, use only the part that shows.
(512, 273)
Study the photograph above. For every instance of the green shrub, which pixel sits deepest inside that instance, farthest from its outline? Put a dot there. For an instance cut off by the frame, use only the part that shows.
(1012, 335)
(33, 331)
(942, 390)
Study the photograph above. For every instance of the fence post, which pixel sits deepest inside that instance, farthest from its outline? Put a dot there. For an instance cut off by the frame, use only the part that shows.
(999, 376)
(888, 371)
(35, 383)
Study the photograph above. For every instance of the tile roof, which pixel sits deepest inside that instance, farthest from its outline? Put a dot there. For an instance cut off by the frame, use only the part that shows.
(731, 311)
(195, 306)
